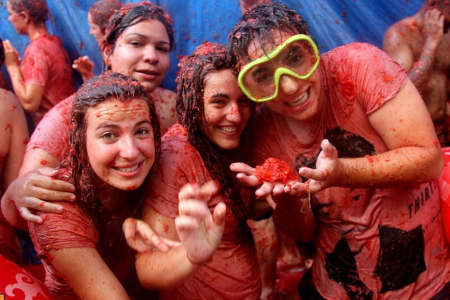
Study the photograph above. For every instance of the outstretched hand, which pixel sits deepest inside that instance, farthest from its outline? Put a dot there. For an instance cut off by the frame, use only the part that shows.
(266, 189)
(327, 166)
(200, 231)
(142, 238)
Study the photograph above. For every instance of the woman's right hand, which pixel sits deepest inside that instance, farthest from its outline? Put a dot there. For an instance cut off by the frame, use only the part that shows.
(35, 190)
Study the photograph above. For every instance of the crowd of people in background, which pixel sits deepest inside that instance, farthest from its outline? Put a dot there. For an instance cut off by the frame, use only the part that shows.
(127, 190)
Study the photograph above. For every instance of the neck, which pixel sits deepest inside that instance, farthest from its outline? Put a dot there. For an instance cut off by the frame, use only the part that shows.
(35, 31)
(112, 198)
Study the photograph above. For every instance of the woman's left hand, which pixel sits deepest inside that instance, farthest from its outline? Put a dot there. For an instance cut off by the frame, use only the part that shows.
(142, 238)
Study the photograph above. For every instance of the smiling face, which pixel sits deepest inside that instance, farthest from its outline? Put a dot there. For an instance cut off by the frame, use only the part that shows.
(227, 110)
(141, 51)
(297, 99)
(95, 30)
(119, 142)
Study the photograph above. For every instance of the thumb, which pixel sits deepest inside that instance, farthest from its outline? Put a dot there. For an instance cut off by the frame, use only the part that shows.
(219, 214)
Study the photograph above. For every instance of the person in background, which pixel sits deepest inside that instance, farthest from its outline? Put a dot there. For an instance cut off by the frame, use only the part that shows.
(421, 44)
(44, 76)
(98, 17)
(343, 119)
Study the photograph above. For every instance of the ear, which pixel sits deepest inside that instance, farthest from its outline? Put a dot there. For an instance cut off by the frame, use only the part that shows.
(106, 53)
(25, 15)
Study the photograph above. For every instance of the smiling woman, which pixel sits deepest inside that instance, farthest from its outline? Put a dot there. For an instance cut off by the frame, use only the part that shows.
(114, 140)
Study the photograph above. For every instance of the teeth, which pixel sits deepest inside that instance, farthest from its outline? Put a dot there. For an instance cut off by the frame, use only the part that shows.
(128, 169)
(299, 101)
(229, 129)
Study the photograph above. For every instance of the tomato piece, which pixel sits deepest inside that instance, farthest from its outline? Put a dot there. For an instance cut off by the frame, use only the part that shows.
(273, 170)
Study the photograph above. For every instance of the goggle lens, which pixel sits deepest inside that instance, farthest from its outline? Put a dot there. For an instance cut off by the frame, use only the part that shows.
(297, 57)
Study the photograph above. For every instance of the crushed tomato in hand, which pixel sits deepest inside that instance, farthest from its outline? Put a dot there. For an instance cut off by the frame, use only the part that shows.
(273, 170)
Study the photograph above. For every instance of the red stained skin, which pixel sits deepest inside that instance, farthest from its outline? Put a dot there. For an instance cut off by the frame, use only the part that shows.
(43, 162)
(274, 169)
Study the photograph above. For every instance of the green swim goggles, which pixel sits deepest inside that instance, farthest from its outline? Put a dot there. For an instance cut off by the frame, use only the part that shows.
(298, 57)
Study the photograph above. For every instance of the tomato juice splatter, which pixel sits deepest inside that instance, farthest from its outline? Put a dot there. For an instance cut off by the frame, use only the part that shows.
(273, 170)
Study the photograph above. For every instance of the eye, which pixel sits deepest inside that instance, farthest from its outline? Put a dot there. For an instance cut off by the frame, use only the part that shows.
(294, 58)
(244, 101)
(164, 49)
(107, 136)
(263, 77)
(135, 43)
(142, 132)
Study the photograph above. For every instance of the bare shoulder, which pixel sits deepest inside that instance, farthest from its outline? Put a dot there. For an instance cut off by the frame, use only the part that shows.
(161, 95)
(402, 29)
(9, 104)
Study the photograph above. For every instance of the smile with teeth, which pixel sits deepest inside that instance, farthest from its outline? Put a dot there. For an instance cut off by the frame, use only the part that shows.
(228, 129)
(298, 101)
(130, 169)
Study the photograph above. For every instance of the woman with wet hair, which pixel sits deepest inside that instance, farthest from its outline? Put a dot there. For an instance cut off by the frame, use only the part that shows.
(138, 41)
(114, 141)
(98, 17)
(43, 78)
(217, 258)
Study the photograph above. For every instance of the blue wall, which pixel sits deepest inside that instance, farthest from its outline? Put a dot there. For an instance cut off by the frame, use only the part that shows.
(332, 23)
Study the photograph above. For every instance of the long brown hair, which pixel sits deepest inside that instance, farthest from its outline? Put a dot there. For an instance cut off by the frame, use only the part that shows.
(107, 86)
(207, 58)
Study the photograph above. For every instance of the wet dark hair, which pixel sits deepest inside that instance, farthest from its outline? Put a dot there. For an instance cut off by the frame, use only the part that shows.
(208, 58)
(2, 53)
(105, 87)
(102, 10)
(132, 14)
(260, 23)
(37, 9)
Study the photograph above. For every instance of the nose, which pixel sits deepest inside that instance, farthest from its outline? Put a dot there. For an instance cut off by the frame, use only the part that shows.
(288, 84)
(150, 55)
(234, 113)
(129, 149)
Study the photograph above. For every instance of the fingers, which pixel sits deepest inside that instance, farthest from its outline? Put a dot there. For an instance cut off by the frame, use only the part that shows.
(142, 238)
(328, 149)
(242, 168)
(193, 191)
(193, 208)
(219, 214)
(39, 205)
(28, 216)
(250, 181)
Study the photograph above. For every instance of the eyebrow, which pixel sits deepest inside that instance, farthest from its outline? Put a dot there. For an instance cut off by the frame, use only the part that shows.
(143, 36)
(114, 125)
(220, 95)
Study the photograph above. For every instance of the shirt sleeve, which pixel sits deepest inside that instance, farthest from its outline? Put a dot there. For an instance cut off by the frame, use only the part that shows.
(52, 132)
(34, 66)
(69, 229)
(364, 73)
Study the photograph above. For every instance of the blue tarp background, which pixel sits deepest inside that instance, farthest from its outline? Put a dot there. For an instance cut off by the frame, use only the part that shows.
(332, 23)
